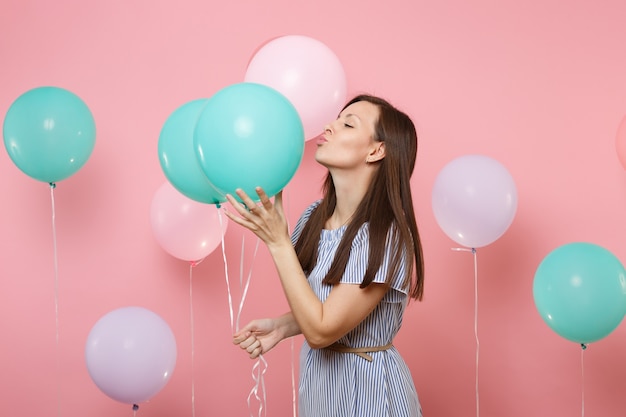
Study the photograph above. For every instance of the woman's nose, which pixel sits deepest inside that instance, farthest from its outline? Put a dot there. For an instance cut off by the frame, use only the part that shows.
(327, 129)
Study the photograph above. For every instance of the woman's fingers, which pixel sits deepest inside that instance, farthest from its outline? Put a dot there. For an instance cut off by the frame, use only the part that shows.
(254, 346)
(247, 205)
(240, 208)
(263, 198)
(238, 338)
(250, 344)
(257, 352)
(247, 201)
(246, 341)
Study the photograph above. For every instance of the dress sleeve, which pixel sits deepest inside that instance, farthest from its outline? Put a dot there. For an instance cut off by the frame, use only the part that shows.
(357, 264)
(297, 231)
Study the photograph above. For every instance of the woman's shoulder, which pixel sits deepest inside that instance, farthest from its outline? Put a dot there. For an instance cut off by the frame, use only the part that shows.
(308, 211)
(303, 219)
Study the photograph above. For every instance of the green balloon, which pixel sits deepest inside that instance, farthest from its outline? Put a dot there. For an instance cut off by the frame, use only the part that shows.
(580, 292)
(249, 135)
(49, 133)
(178, 158)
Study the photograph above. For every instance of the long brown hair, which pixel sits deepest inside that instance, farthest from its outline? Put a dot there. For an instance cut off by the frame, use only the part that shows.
(387, 206)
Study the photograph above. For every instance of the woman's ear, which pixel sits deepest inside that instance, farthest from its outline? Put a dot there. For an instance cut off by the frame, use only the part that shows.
(377, 152)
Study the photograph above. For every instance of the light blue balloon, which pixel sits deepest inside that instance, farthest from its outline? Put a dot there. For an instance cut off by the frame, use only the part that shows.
(49, 133)
(178, 158)
(580, 292)
(249, 135)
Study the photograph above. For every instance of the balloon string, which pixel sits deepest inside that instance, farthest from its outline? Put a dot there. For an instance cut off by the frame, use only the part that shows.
(293, 377)
(247, 284)
(258, 372)
(473, 250)
(243, 249)
(476, 325)
(230, 298)
(258, 391)
(56, 296)
(582, 375)
(258, 379)
(193, 388)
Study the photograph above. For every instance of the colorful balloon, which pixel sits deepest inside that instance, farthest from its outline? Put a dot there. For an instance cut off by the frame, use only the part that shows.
(49, 133)
(185, 228)
(474, 200)
(178, 158)
(249, 135)
(130, 354)
(308, 73)
(580, 291)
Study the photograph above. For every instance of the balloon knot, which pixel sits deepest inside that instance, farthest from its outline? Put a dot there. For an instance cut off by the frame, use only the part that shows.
(584, 346)
(135, 407)
(218, 205)
(53, 185)
(473, 250)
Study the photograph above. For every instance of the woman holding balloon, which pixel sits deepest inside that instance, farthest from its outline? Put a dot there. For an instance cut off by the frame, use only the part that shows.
(351, 265)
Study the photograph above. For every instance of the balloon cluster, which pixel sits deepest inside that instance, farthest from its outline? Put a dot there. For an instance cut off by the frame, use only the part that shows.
(252, 133)
(246, 135)
(579, 288)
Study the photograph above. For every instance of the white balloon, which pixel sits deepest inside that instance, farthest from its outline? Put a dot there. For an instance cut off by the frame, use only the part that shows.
(474, 200)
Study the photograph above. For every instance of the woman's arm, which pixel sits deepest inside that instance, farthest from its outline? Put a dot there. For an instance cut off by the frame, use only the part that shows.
(321, 323)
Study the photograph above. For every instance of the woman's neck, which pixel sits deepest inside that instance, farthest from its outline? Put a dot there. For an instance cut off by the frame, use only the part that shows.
(349, 191)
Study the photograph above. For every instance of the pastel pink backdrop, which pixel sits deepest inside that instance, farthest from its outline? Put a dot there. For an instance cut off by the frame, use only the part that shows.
(538, 85)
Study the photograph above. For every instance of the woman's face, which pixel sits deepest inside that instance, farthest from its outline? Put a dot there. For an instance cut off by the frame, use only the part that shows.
(348, 142)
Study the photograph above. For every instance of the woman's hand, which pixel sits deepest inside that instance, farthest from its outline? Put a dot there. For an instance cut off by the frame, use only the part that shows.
(258, 337)
(266, 220)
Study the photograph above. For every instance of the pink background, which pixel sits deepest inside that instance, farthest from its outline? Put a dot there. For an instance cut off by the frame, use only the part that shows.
(538, 85)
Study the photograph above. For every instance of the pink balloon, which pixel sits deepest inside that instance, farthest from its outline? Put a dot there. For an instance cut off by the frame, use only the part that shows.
(474, 200)
(185, 228)
(130, 354)
(305, 71)
(620, 142)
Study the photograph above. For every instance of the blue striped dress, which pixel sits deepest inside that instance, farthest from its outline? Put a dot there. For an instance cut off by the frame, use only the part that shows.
(334, 384)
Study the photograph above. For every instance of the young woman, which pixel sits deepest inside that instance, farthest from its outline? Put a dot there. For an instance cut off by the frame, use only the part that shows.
(348, 270)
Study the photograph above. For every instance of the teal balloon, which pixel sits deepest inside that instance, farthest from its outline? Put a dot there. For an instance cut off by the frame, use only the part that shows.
(178, 158)
(249, 135)
(49, 133)
(580, 292)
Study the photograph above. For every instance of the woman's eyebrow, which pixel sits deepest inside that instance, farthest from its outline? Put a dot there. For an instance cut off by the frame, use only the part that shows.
(352, 115)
